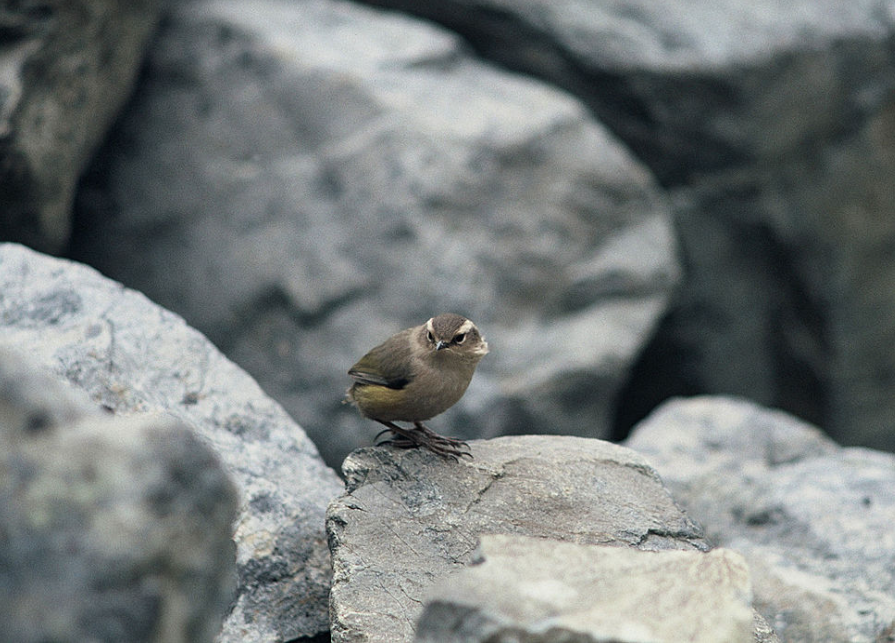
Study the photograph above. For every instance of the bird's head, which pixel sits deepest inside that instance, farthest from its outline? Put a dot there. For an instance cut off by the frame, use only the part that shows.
(450, 334)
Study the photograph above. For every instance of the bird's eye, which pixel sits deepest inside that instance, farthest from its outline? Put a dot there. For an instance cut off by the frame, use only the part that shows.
(429, 336)
(460, 338)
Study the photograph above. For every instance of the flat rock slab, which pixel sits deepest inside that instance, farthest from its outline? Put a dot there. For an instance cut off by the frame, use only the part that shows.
(543, 591)
(409, 518)
(813, 520)
(131, 356)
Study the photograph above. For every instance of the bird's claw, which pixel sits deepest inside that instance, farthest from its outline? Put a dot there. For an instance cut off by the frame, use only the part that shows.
(423, 437)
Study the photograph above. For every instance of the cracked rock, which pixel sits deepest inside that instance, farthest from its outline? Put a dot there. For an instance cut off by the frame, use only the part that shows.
(409, 518)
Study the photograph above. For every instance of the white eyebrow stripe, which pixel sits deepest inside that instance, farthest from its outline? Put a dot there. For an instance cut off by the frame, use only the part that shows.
(430, 327)
(465, 327)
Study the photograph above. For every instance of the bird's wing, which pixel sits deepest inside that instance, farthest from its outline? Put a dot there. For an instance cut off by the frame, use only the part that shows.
(385, 366)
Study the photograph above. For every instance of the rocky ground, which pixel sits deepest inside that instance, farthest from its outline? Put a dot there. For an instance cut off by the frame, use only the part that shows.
(666, 219)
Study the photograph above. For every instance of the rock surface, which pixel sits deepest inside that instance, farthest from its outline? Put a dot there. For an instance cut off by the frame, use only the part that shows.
(692, 88)
(544, 591)
(772, 125)
(66, 68)
(409, 518)
(812, 519)
(320, 175)
(131, 356)
(111, 529)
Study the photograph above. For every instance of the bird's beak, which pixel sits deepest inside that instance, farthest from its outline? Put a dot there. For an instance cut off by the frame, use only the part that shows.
(441, 344)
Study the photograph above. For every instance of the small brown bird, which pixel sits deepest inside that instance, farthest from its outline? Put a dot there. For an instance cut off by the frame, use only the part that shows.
(416, 374)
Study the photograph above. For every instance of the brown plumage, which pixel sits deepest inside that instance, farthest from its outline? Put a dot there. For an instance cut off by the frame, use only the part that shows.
(415, 375)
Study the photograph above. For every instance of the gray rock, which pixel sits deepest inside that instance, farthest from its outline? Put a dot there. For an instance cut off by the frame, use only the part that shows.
(789, 250)
(320, 175)
(813, 520)
(545, 591)
(132, 356)
(65, 70)
(790, 301)
(112, 528)
(693, 87)
(771, 123)
(410, 518)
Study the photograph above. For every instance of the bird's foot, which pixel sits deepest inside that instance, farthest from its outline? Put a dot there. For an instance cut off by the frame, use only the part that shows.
(440, 444)
(423, 437)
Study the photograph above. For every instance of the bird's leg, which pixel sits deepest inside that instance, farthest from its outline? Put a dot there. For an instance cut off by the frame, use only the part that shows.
(403, 438)
(378, 435)
(440, 444)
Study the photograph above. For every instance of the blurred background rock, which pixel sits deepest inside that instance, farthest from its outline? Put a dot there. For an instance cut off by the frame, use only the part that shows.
(633, 200)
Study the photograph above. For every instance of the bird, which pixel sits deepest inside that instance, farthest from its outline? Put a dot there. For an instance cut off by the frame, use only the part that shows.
(413, 376)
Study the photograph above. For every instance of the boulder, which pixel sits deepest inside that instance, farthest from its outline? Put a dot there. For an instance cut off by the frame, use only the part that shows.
(544, 591)
(320, 175)
(813, 520)
(111, 528)
(132, 356)
(772, 126)
(410, 518)
(67, 68)
(698, 87)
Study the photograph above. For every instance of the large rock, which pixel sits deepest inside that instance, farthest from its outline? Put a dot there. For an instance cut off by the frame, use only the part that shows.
(791, 300)
(319, 175)
(66, 67)
(132, 356)
(813, 520)
(409, 518)
(545, 591)
(111, 529)
(773, 125)
(693, 87)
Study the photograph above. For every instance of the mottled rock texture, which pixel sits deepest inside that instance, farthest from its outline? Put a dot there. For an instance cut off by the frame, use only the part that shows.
(812, 519)
(132, 356)
(111, 528)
